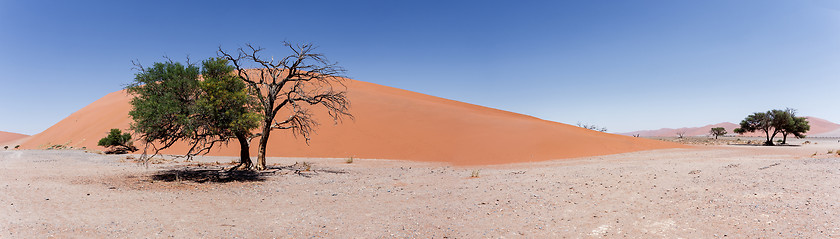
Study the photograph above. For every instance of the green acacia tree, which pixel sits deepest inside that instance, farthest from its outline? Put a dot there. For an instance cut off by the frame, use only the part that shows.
(225, 109)
(774, 122)
(796, 126)
(717, 131)
(759, 121)
(172, 105)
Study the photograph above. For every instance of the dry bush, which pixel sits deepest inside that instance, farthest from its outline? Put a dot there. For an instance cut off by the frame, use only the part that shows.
(302, 166)
(474, 173)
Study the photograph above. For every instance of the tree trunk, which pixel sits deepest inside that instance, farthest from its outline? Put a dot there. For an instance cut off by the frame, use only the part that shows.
(784, 137)
(769, 140)
(263, 144)
(244, 154)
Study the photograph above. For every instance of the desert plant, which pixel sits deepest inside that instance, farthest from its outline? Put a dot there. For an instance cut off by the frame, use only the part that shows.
(349, 160)
(171, 104)
(17, 146)
(117, 142)
(717, 131)
(474, 173)
(681, 134)
(774, 122)
(6, 147)
(830, 152)
(293, 87)
(591, 127)
(797, 126)
(302, 166)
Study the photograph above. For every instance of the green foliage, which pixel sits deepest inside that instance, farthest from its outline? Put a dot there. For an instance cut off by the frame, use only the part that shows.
(224, 107)
(172, 103)
(773, 122)
(115, 138)
(164, 96)
(718, 131)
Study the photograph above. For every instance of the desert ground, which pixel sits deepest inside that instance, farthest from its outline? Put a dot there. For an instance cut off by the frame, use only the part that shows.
(716, 191)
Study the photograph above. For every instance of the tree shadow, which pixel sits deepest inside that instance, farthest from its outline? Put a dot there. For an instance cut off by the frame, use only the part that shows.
(301, 170)
(205, 175)
(763, 145)
(221, 175)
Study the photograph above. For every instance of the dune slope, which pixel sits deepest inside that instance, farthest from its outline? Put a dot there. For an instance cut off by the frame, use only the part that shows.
(389, 123)
(7, 138)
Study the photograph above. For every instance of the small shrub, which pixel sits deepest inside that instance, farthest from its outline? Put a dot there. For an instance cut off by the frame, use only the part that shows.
(118, 142)
(302, 166)
(474, 173)
(349, 160)
(830, 152)
(807, 142)
(17, 146)
(6, 147)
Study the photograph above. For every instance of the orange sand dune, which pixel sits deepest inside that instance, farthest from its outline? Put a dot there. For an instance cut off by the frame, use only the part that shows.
(819, 128)
(390, 123)
(9, 138)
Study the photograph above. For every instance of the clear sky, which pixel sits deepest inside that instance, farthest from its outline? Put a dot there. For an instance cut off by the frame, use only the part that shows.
(624, 65)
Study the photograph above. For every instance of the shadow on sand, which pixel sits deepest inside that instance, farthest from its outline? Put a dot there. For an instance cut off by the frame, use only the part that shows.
(205, 175)
(762, 145)
(220, 175)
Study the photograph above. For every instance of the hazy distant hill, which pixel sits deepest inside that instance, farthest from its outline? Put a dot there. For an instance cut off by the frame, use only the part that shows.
(819, 128)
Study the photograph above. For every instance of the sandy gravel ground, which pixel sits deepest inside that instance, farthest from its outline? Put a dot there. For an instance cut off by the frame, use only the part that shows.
(703, 192)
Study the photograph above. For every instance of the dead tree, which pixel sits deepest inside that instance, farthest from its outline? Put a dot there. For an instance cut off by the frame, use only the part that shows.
(291, 87)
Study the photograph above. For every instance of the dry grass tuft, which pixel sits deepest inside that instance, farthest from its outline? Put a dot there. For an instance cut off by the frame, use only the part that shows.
(474, 173)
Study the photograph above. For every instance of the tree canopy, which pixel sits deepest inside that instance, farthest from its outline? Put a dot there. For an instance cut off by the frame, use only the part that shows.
(774, 122)
(717, 131)
(171, 103)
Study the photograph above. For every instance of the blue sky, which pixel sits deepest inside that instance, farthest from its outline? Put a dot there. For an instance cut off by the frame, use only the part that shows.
(624, 65)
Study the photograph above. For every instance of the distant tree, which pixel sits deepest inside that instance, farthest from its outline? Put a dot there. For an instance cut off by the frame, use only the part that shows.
(774, 122)
(591, 127)
(171, 104)
(291, 86)
(717, 131)
(117, 142)
(681, 134)
(796, 126)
